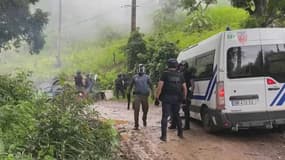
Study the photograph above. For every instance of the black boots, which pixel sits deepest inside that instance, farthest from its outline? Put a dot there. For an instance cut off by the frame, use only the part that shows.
(163, 138)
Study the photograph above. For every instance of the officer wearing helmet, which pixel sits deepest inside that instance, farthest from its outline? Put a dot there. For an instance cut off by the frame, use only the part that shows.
(189, 79)
(119, 86)
(78, 79)
(142, 87)
(172, 91)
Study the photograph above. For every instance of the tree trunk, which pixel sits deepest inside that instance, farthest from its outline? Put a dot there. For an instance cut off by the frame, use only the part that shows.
(260, 7)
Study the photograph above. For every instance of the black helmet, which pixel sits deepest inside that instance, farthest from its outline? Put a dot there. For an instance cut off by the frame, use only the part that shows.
(172, 63)
(141, 69)
(184, 64)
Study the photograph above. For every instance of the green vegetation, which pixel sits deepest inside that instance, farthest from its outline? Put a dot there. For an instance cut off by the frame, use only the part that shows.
(192, 5)
(263, 13)
(109, 57)
(169, 37)
(135, 50)
(220, 17)
(34, 127)
(105, 60)
(19, 24)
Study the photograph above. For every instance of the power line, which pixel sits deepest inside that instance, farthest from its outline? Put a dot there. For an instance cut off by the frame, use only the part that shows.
(99, 16)
(134, 16)
(59, 35)
(71, 25)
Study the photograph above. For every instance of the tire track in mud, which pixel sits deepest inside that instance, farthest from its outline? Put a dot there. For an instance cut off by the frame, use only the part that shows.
(135, 144)
(197, 145)
(139, 144)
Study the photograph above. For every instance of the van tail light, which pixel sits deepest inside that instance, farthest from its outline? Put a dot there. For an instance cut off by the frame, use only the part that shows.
(220, 95)
(270, 81)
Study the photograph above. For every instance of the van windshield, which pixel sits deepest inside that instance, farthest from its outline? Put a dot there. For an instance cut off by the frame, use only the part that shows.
(255, 61)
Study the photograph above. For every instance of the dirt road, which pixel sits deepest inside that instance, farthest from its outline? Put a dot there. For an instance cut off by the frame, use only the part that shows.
(197, 145)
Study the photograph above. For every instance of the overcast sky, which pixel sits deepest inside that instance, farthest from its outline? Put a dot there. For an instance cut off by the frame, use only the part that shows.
(85, 18)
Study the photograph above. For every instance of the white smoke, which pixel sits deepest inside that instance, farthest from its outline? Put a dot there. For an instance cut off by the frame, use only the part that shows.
(86, 19)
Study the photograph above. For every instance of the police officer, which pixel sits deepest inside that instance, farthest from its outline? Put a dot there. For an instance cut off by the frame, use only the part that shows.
(142, 86)
(189, 79)
(172, 91)
(126, 79)
(89, 83)
(78, 79)
(119, 86)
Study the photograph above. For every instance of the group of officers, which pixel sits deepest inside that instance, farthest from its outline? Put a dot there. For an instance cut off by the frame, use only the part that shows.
(174, 90)
(84, 84)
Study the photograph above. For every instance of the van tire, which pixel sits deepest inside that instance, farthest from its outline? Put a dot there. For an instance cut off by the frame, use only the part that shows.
(208, 123)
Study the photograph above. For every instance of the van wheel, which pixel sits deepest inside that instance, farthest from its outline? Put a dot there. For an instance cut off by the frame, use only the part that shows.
(208, 123)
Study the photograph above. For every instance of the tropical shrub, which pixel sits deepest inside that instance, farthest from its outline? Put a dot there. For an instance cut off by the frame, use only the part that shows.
(33, 127)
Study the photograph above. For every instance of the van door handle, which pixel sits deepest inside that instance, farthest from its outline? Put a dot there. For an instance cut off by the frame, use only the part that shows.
(273, 89)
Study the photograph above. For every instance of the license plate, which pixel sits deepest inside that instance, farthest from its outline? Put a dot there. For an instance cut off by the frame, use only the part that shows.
(244, 102)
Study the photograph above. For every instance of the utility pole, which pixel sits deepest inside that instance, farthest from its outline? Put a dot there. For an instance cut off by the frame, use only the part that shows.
(133, 7)
(134, 16)
(58, 59)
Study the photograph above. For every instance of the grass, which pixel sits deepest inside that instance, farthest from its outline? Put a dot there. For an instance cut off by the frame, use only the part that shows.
(98, 57)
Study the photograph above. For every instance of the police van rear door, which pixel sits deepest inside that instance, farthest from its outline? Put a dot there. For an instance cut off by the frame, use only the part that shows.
(273, 47)
(244, 82)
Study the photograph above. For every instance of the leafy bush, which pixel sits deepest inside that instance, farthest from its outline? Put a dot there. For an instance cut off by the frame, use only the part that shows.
(199, 21)
(136, 45)
(32, 127)
(15, 90)
(224, 16)
(159, 51)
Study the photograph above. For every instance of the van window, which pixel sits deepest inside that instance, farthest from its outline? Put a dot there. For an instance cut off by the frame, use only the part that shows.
(274, 61)
(191, 62)
(204, 65)
(244, 62)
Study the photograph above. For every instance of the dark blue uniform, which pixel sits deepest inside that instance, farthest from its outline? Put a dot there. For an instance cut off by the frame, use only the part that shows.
(171, 97)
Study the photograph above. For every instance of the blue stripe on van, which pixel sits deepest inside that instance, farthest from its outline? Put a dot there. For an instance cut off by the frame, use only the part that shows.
(281, 101)
(199, 97)
(210, 87)
(211, 82)
(277, 96)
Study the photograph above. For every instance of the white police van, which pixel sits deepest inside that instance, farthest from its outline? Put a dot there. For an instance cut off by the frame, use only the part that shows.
(239, 79)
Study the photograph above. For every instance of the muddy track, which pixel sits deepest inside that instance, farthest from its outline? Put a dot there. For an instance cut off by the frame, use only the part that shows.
(197, 145)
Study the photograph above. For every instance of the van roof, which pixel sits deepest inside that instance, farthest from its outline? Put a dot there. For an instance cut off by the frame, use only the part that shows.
(266, 33)
(234, 31)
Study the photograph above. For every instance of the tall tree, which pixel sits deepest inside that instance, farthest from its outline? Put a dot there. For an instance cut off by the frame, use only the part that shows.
(263, 12)
(166, 16)
(169, 7)
(18, 23)
(192, 5)
(196, 9)
(136, 45)
(157, 63)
